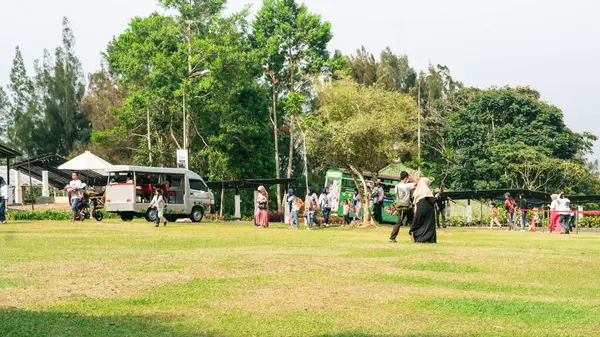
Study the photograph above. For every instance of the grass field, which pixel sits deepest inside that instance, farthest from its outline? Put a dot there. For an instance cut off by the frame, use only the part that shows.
(131, 279)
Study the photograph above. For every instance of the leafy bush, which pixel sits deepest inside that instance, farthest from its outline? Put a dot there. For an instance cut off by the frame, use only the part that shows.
(213, 217)
(51, 215)
(276, 217)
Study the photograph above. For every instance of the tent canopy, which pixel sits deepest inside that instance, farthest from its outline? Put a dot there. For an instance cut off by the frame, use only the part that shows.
(87, 161)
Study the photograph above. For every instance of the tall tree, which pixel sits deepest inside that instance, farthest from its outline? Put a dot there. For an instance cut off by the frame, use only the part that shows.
(394, 72)
(5, 111)
(18, 120)
(348, 130)
(293, 43)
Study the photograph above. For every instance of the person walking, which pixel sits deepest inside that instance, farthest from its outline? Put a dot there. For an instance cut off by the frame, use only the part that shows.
(523, 207)
(261, 215)
(293, 203)
(441, 200)
(356, 202)
(378, 197)
(403, 197)
(2, 201)
(509, 206)
(494, 218)
(553, 212)
(311, 203)
(73, 188)
(325, 203)
(158, 203)
(564, 210)
(423, 225)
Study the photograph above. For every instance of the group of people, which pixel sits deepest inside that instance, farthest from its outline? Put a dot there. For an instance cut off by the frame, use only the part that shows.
(418, 208)
(560, 213)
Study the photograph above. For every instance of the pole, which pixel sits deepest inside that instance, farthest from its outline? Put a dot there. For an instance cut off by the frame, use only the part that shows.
(184, 116)
(577, 220)
(419, 129)
(30, 182)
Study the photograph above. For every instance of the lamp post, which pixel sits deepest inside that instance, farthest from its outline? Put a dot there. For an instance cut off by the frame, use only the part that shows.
(420, 112)
(198, 73)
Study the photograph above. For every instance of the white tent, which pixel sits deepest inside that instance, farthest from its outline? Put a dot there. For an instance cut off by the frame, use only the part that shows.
(87, 161)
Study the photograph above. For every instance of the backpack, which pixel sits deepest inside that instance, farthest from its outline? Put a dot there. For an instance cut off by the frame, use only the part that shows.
(300, 204)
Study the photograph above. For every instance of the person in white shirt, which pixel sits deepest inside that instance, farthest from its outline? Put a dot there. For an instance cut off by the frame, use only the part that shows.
(403, 192)
(325, 203)
(158, 203)
(564, 210)
(293, 202)
(378, 196)
(74, 189)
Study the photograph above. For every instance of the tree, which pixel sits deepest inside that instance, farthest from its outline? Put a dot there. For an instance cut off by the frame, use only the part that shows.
(395, 73)
(4, 114)
(363, 129)
(18, 118)
(504, 137)
(293, 44)
(108, 140)
(364, 67)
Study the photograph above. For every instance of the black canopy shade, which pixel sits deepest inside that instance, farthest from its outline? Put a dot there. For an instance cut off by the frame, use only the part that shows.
(8, 153)
(249, 184)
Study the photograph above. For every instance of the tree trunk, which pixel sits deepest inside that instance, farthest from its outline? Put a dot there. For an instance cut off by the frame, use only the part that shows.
(275, 131)
(148, 136)
(290, 161)
(367, 196)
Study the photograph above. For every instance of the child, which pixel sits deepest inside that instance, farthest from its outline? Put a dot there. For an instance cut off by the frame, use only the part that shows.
(346, 205)
(494, 216)
(158, 203)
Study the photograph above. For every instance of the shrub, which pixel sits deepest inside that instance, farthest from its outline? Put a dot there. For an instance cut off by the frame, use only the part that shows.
(52, 215)
(276, 217)
(213, 217)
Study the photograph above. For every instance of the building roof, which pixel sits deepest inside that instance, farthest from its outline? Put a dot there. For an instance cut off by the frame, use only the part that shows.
(56, 178)
(8, 153)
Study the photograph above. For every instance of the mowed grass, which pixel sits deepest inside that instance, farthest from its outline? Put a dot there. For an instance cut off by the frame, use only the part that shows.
(131, 279)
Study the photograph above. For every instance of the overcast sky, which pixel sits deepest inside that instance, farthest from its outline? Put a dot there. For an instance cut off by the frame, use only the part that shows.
(551, 45)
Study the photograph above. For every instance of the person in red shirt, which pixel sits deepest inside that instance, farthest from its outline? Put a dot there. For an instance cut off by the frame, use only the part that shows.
(509, 206)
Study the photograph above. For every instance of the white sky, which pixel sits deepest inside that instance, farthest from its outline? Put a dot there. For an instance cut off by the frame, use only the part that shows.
(552, 45)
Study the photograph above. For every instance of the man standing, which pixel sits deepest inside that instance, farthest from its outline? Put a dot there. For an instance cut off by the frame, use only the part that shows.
(509, 206)
(2, 201)
(564, 210)
(524, 206)
(403, 191)
(378, 197)
(73, 188)
(440, 207)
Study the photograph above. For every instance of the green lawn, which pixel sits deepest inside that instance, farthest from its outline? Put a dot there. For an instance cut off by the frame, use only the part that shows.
(131, 279)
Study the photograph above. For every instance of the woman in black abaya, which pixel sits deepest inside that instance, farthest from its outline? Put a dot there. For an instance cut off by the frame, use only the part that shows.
(423, 225)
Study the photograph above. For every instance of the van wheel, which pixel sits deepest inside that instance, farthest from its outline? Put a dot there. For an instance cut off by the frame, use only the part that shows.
(197, 214)
(151, 215)
(126, 217)
(171, 218)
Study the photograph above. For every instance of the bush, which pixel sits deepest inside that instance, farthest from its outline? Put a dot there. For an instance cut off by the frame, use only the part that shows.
(49, 215)
(276, 217)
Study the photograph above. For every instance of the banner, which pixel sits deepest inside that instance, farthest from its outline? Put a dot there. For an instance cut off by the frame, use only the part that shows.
(182, 159)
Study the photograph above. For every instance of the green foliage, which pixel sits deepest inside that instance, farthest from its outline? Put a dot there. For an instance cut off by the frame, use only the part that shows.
(499, 138)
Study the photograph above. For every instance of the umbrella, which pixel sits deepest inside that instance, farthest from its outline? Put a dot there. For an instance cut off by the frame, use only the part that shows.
(87, 161)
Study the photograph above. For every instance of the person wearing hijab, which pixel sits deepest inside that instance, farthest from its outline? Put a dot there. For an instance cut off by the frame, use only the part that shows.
(261, 216)
(553, 212)
(423, 225)
(310, 205)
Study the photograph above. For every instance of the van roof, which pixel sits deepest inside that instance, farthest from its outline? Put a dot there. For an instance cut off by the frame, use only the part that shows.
(148, 169)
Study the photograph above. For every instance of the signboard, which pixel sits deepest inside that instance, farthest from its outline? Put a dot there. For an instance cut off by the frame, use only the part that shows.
(182, 159)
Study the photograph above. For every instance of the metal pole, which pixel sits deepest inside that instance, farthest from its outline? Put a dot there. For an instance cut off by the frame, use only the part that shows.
(419, 129)
(577, 220)
(184, 116)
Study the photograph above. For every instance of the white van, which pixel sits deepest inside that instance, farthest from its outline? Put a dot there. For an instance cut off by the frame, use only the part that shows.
(130, 189)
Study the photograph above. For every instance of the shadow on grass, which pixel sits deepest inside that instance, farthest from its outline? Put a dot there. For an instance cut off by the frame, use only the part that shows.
(17, 322)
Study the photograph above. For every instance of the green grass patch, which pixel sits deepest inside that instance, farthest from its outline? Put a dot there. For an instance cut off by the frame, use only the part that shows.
(111, 278)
